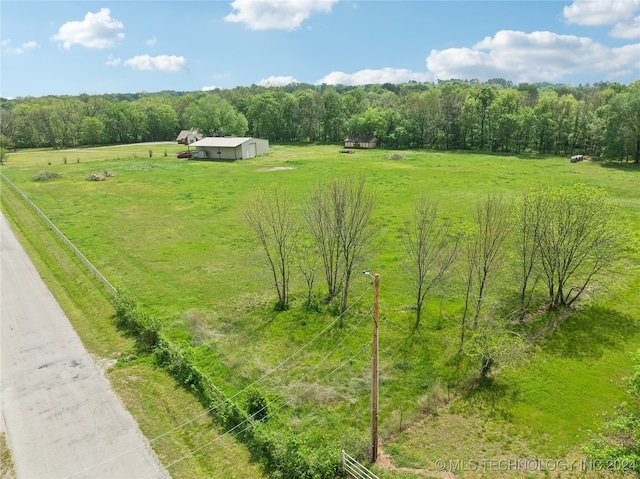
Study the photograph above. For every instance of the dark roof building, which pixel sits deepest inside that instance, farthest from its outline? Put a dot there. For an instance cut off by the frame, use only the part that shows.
(361, 142)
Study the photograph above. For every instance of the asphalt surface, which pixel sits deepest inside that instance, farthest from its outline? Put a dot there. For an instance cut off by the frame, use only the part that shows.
(59, 413)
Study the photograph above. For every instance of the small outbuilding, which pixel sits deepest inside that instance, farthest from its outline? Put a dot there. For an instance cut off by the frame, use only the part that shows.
(362, 142)
(229, 148)
(186, 137)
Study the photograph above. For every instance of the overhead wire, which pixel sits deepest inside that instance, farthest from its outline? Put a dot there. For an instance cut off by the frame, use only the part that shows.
(253, 423)
(264, 376)
(299, 380)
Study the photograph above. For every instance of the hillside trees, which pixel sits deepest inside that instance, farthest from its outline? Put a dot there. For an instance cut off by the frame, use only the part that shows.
(309, 114)
(548, 119)
(92, 131)
(162, 121)
(622, 130)
(333, 116)
(213, 116)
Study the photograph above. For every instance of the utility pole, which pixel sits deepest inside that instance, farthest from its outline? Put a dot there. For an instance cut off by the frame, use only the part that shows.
(374, 371)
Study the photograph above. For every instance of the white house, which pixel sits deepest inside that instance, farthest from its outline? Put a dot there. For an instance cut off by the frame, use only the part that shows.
(229, 148)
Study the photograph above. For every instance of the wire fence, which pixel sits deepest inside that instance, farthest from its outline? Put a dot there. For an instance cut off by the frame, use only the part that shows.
(92, 269)
(355, 469)
(351, 466)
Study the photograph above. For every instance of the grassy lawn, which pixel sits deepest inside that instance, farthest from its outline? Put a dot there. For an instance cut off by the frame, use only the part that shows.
(153, 398)
(169, 232)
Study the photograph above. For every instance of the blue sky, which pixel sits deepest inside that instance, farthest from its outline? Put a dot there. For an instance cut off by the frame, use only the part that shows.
(73, 47)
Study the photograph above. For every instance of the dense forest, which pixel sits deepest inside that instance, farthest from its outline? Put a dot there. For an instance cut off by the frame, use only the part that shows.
(600, 120)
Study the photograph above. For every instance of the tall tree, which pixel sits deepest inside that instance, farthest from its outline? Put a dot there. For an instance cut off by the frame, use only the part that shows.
(338, 216)
(309, 113)
(485, 255)
(211, 115)
(622, 133)
(270, 216)
(431, 249)
(580, 239)
(333, 115)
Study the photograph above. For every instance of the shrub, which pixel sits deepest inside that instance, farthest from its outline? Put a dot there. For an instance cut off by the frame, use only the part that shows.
(45, 176)
(256, 405)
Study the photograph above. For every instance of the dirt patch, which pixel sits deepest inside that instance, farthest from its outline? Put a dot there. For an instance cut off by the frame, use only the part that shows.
(385, 462)
(277, 168)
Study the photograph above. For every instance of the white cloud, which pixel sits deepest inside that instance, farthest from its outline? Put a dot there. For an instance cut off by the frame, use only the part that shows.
(276, 14)
(152, 41)
(113, 61)
(622, 14)
(97, 30)
(629, 29)
(368, 77)
(211, 88)
(21, 49)
(161, 63)
(531, 57)
(277, 81)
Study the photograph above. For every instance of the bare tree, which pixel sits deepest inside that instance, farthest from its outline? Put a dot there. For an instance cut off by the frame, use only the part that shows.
(270, 216)
(486, 250)
(528, 223)
(431, 249)
(308, 265)
(485, 254)
(320, 219)
(356, 232)
(339, 219)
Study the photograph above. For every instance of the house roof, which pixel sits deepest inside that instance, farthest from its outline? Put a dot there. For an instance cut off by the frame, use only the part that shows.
(184, 133)
(221, 141)
(361, 139)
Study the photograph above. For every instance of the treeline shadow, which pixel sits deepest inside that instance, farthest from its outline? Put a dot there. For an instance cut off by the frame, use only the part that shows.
(623, 166)
(590, 332)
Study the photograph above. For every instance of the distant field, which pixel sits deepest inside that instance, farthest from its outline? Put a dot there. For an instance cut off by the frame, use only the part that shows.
(169, 231)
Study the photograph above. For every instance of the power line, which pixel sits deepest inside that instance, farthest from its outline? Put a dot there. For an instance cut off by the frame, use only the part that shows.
(264, 376)
(252, 424)
(295, 383)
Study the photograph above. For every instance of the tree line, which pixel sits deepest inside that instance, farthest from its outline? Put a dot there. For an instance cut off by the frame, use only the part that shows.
(556, 246)
(600, 120)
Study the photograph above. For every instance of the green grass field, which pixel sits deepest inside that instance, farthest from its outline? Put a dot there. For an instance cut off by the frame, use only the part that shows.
(169, 232)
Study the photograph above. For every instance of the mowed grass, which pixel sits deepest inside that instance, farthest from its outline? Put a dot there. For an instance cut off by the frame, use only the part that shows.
(171, 232)
(167, 415)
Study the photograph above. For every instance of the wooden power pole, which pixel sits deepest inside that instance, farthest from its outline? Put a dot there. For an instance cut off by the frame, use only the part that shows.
(374, 371)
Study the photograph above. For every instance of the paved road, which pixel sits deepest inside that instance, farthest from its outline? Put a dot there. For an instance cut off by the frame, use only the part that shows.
(60, 415)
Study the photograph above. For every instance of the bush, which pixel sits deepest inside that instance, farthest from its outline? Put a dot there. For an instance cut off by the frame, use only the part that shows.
(45, 176)
(256, 405)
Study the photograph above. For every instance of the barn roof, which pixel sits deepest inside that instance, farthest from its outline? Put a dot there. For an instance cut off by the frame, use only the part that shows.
(361, 139)
(221, 141)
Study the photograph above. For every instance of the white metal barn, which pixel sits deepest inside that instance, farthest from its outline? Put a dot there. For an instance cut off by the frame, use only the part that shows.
(229, 148)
